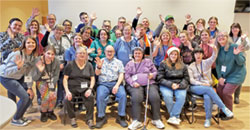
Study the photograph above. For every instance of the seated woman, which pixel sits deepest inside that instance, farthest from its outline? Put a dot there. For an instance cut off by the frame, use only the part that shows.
(79, 78)
(137, 73)
(174, 81)
(46, 75)
(201, 83)
(15, 77)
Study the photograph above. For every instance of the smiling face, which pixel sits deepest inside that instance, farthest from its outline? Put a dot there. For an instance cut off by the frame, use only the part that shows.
(198, 56)
(33, 26)
(205, 37)
(222, 38)
(49, 56)
(109, 52)
(235, 31)
(190, 28)
(51, 20)
(81, 54)
(58, 32)
(30, 45)
(165, 37)
(106, 25)
(173, 56)
(103, 36)
(145, 22)
(138, 54)
(16, 26)
(212, 23)
(77, 41)
(127, 31)
(85, 18)
(67, 27)
(183, 38)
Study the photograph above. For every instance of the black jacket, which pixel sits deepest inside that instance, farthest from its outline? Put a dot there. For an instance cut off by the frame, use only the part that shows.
(167, 76)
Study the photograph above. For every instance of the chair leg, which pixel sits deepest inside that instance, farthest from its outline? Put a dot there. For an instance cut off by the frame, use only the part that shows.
(218, 118)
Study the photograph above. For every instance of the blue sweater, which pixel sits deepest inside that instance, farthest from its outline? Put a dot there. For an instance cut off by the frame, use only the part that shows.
(235, 65)
(123, 49)
(69, 54)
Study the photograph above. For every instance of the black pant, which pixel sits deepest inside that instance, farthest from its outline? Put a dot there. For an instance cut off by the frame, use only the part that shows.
(88, 102)
(137, 97)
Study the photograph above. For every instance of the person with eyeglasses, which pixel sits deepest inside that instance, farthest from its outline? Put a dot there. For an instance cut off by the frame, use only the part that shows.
(121, 22)
(231, 69)
(68, 33)
(107, 25)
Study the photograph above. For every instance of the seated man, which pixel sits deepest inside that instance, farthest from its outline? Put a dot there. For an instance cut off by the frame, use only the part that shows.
(111, 73)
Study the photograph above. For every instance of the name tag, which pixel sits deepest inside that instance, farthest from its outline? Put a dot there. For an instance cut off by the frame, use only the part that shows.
(134, 77)
(130, 56)
(223, 68)
(27, 79)
(84, 85)
(60, 57)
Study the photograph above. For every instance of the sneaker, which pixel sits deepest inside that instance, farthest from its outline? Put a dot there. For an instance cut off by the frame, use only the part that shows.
(227, 112)
(215, 107)
(73, 122)
(26, 120)
(207, 123)
(121, 120)
(179, 120)
(158, 124)
(173, 120)
(59, 105)
(19, 122)
(51, 115)
(100, 122)
(236, 100)
(135, 125)
(44, 117)
(90, 124)
(192, 109)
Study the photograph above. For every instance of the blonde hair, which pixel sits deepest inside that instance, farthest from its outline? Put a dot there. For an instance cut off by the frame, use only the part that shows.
(59, 27)
(169, 41)
(228, 43)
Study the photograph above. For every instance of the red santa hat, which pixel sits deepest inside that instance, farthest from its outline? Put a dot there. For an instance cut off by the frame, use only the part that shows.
(170, 50)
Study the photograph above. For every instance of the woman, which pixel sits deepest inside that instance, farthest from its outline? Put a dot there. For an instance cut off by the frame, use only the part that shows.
(161, 47)
(200, 25)
(213, 23)
(86, 33)
(67, 30)
(79, 78)
(46, 76)
(34, 31)
(137, 74)
(191, 30)
(100, 44)
(201, 83)
(173, 80)
(231, 69)
(11, 38)
(15, 77)
(124, 45)
(239, 39)
(186, 48)
(174, 34)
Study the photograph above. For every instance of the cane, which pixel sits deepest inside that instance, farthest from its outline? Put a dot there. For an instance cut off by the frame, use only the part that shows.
(146, 108)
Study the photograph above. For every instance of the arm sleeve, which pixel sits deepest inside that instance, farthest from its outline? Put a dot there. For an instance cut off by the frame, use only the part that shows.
(161, 77)
(134, 23)
(158, 29)
(185, 81)
(44, 41)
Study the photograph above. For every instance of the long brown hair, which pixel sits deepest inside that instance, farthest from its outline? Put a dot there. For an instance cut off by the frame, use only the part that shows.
(169, 41)
(23, 47)
(178, 65)
(38, 26)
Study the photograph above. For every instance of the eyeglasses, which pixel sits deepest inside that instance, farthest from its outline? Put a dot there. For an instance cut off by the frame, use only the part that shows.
(106, 21)
(108, 51)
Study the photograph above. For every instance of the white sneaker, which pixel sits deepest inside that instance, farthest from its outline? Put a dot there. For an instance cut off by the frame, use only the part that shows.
(227, 112)
(135, 125)
(158, 124)
(173, 120)
(179, 120)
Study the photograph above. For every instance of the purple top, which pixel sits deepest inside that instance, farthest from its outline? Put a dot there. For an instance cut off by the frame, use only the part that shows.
(142, 70)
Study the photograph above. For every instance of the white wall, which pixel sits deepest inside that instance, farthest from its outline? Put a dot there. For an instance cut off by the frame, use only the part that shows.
(112, 9)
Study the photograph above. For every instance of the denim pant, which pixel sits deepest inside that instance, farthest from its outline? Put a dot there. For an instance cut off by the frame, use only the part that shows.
(174, 109)
(209, 96)
(60, 91)
(104, 89)
(16, 87)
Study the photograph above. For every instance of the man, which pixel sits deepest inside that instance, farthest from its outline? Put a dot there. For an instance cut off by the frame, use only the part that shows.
(67, 30)
(121, 22)
(84, 18)
(111, 73)
(107, 25)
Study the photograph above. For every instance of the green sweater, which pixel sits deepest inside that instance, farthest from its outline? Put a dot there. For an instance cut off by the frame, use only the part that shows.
(235, 72)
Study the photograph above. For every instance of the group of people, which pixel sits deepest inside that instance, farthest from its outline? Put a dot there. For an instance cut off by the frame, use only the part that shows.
(122, 61)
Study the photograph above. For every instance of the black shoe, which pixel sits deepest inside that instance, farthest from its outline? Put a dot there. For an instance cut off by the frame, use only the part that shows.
(90, 123)
(192, 108)
(100, 122)
(121, 120)
(51, 115)
(236, 100)
(220, 115)
(226, 118)
(59, 105)
(44, 117)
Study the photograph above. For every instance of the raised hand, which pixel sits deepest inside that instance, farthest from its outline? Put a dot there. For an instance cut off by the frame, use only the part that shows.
(243, 37)
(150, 36)
(35, 12)
(40, 65)
(93, 16)
(188, 18)
(238, 49)
(19, 61)
(47, 27)
(99, 62)
(157, 42)
(10, 33)
(99, 51)
(161, 18)
(138, 12)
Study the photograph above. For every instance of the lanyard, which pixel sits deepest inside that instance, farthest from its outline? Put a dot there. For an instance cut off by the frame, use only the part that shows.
(201, 73)
(60, 45)
(136, 68)
(47, 70)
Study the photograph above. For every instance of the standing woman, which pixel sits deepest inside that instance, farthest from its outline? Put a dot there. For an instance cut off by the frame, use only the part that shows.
(15, 77)
(191, 30)
(231, 69)
(124, 45)
(161, 46)
(46, 75)
(213, 23)
(239, 39)
(79, 78)
(173, 80)
(34, 31)
(11, 38)
(174, 34)
(137, 74)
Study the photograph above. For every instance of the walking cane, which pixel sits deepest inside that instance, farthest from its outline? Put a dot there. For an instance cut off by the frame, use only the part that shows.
(146, 108)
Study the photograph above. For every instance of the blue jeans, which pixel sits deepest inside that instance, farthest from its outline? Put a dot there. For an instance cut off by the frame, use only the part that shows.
(16, 87)
(174, 109)
(60, 91)
(104, 89)
(209, 96)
